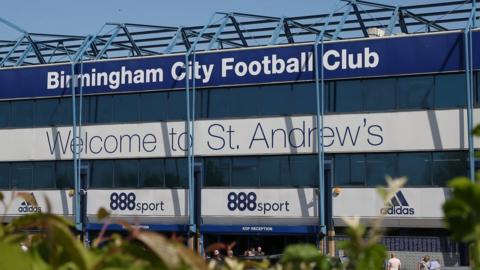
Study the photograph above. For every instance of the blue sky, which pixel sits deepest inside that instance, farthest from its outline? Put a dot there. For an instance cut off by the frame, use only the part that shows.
(87, 16)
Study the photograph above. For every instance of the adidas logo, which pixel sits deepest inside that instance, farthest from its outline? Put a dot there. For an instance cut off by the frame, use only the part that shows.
(26, 207)
(398, 206)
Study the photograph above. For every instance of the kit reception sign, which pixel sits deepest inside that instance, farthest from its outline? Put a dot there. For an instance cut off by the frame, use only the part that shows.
(348, 133)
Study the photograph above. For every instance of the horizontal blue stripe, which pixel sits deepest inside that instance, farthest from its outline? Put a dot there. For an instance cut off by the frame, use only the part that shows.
(416, 54)
(258, 229)
(152, 227)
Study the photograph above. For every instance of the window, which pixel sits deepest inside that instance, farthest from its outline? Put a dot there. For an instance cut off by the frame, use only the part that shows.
(447, 165)
(176, 173)
(244, 101)
(64, 175)
(100, 109)
(303, 100)
(245, 172)
(274, 171)
(347, 96)
(4, 175)
(275, 99)
(44, 175)
(125, 108)
(126, 173)
(450, 91)
(342, 170)
(378, 167)
(303, 170)
(176, 105)
(357, 170)
(417, 167)
(22, 175)
(217, 172)
(379, 94)
(153, 106)
(415, 92)
(152, 172)
(102, 174)
(22, 113)
(4, 114)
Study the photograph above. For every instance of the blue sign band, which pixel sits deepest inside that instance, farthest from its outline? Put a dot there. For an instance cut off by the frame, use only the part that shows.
(151, 227)
(410, 54)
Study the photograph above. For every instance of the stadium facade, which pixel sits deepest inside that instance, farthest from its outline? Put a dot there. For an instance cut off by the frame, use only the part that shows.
(396, 105)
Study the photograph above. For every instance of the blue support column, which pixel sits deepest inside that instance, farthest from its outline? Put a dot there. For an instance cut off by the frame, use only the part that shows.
(193, 227)
(320, 89)
(469, 76)
(276, 32)
(393, 20)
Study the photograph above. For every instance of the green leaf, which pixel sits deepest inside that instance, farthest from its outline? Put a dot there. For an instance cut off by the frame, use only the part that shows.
(12, 257)
(102, 213)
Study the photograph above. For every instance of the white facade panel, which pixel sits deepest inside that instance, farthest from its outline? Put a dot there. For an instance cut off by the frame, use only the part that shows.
(375, 132)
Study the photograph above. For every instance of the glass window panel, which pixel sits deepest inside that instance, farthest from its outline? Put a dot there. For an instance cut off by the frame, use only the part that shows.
(415, 92)
(379, 94)
(245, 172)
(22, 113)
(276, 99)
(450, 91)
(44, 175)
(348, 96)
(176, 105)
(4, 114)
(274, 171)
(152, 172)
(4, 175)
(357, 169)
(379, 166)
(152, 106)
(126, 173)
(65, 175)
(125, 108)
(342, 170)
(102, 174)
(448, 165)
(22, 175)
(303, 100)
(45, 111)
(244, 101)
(176, 173)
(417, 167)
(217, 172)
(303, 171)
(218, 105)
(101, 108)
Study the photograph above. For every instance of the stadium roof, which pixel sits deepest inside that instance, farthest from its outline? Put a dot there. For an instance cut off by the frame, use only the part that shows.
(348, 19)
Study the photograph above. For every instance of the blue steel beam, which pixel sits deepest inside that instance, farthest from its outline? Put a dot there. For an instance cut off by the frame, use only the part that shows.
(469, 76)
(320, 94)
(109, 42)
(342, 22)
(393, 20)
(12, 50)
(173, 41)
(276, 32)
(218, 32)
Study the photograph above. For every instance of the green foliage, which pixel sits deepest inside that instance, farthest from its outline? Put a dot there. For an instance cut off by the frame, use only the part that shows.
(462, 215)
(305, 256)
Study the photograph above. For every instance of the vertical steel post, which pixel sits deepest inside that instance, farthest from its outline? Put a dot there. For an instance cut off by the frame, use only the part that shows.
(469, 77)
(320, 89)
(193, 227)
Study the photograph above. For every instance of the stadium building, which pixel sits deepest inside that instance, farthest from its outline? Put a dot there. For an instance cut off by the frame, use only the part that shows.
(212, 131)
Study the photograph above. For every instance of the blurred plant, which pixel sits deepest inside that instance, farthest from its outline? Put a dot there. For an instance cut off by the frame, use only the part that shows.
(43, 241)
(462, 215)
